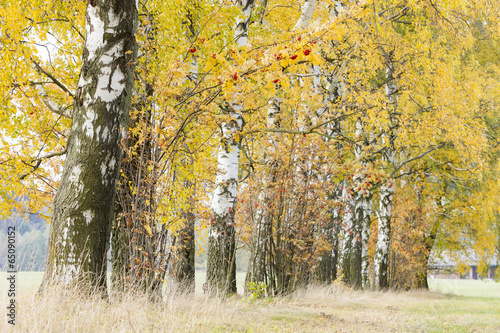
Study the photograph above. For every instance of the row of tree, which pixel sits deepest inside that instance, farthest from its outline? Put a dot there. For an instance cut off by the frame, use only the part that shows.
(335, 141)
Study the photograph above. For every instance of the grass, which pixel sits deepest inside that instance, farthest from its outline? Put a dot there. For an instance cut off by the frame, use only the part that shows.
(473, 288)
(319, 309)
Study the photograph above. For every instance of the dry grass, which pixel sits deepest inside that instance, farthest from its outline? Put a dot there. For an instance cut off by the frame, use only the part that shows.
(332, 309)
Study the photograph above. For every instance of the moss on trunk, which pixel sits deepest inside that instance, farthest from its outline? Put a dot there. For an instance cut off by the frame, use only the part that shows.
(83, 208)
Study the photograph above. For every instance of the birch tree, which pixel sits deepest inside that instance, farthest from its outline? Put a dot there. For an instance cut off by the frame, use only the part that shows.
(84, 203)
(221, 265)
(384, 213)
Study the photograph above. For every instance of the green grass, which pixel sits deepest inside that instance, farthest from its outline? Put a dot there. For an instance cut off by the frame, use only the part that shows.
(458, 314)
(473, 288)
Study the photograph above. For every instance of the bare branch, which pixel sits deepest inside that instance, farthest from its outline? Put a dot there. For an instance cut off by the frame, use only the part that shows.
(39, 162)
(50, 76)
(310, 130)
(416, 158)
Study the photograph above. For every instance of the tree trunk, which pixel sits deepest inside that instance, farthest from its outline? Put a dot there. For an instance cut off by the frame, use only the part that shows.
(429, 241)
(347, 235)
(360, 203)
(326, 271)
(365, 237)
(259, 265)
(355, 257)
(221, 261)
(306, 15)
(335, 251)
(184, 264)
(120, 254)
(221, 265)
(381, 260)
(84, 203)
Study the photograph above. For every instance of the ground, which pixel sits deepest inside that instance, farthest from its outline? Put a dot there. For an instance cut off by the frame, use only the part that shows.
(333, 309)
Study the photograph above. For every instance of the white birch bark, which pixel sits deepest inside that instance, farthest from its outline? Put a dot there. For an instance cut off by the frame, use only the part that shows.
(306, 15)
(384, 214)
(84, 202)
(228, 165)
(381, 259)
(346, 234)
(365, 237)
(221, 265)
(360, 203)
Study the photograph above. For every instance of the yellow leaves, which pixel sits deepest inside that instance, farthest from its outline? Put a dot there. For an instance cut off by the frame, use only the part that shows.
(194, 68)
(228, 86)
(148, 229)
(316, 59)
(29, 128)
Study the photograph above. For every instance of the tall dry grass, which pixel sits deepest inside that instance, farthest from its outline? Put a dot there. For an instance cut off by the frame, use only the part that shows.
(63, 310)
(315, 309)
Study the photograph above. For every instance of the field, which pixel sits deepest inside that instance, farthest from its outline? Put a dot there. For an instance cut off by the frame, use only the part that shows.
(333, 309)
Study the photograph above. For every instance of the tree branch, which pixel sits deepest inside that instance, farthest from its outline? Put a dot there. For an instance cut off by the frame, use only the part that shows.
(310, 130)
(416, 158)
(50, 76)
(39, 161)
(62, 111)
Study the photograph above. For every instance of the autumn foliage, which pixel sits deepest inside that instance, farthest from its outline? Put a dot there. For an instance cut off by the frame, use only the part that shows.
(400, 94)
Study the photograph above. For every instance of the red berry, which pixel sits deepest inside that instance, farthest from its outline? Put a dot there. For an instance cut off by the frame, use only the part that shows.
(193, 50)
(307, 52)
(235, 76)
(294, 57)
(276, 81)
